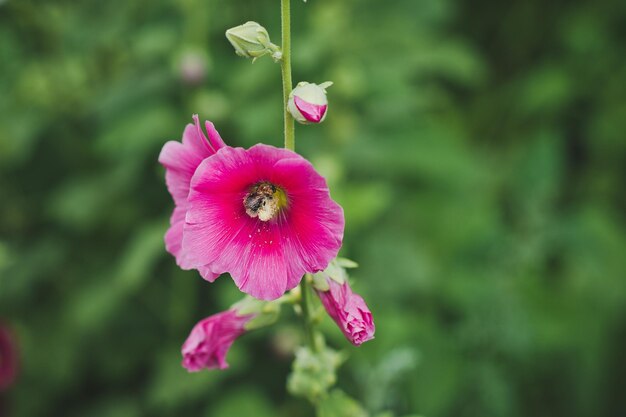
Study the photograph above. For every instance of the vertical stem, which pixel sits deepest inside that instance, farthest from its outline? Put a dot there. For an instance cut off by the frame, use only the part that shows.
(285, 68)
(309, 332)
(290, 143)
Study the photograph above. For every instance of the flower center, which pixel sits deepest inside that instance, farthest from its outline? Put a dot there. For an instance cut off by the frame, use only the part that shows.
(264, 200)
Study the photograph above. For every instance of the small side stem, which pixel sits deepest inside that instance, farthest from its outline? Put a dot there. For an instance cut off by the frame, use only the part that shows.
(285, 69)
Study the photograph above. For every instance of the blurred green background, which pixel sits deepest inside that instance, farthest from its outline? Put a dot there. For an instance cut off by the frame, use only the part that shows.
(478, 150)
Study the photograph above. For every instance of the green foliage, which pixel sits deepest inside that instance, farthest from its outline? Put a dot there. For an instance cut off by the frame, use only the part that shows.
(338, 404)
(478, 151)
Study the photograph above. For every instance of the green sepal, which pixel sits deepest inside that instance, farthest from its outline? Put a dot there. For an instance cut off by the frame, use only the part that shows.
(346, 263)
(336, 272)
(266, 312)
(248, 305)
(320, 281)
(268, 316)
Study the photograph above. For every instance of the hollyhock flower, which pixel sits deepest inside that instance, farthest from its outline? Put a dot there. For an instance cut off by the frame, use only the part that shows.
(308, 103)
(180, 161)
(349, 311)
(210, 339)
(264, 215)
(8, 358)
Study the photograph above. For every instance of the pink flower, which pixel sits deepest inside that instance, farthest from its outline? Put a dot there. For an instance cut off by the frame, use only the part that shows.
(8, 358)
(349, 311)
(210, 339)
(264, 215)
(180, 161)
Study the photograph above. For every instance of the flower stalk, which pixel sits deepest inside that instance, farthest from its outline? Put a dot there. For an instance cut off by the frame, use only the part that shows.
(307, 316)
(285, 69)
(266, 258)
(290, 143)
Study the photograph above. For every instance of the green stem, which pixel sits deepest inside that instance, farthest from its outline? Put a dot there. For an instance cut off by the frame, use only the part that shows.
(305, 304)
(285, 69)
(290, 143)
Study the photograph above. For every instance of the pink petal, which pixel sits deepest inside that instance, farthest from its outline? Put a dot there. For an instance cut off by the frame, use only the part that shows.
(214, 138)
(316, 223)
(207, 273)
(174, 235)
(312, 112)
(180, 160)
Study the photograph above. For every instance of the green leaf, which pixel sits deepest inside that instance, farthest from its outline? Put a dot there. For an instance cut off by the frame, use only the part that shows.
(339, 404)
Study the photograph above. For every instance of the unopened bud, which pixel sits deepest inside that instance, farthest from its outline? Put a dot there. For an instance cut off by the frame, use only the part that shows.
(308, 102)
(251, 40)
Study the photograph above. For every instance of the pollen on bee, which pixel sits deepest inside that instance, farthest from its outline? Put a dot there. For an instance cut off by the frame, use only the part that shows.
(263, 201)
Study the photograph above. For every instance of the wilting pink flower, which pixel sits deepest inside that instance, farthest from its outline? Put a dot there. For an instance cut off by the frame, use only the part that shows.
(8, 358)
(264, 215)
(180, 161)
(349, 311)
(210, 339)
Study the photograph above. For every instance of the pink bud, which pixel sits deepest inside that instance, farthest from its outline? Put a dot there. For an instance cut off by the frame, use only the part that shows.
(210, 339)
(308, 102)
(349, 312)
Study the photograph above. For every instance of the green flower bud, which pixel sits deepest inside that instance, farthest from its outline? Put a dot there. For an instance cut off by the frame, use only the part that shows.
(251, 40)
(313, 373)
